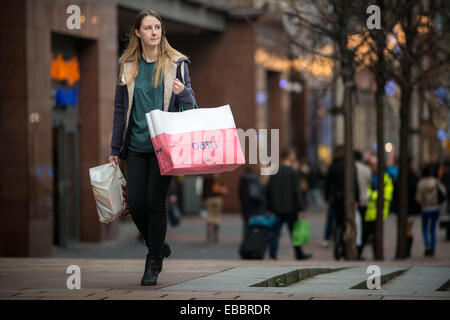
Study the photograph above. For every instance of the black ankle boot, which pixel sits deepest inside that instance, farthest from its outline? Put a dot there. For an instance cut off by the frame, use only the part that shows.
(166, 250)
(165, 253)
(152, 270)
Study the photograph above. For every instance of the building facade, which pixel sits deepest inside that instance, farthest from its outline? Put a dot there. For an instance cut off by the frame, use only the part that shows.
(57, 109)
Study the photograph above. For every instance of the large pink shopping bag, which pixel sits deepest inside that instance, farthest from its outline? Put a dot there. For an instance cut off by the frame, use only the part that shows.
(196, 141)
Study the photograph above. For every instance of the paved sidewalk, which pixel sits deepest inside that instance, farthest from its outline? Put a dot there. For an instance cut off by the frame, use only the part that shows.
(45, 279)
(197, 270)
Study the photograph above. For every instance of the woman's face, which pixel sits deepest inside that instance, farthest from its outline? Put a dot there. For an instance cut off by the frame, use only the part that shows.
(150, 31)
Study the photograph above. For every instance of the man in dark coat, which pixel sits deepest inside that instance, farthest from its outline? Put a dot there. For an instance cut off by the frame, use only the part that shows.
(285, 201)
(335, 197)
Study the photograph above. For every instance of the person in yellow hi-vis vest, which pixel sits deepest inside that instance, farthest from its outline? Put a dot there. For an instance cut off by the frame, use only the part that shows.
(369, 224)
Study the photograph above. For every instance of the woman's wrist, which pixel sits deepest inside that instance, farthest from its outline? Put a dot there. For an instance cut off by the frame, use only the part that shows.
(182, 93)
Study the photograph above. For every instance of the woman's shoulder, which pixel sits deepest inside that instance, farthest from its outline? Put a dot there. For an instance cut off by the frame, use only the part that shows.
(179, 57)
(182, 59)
(121, 61)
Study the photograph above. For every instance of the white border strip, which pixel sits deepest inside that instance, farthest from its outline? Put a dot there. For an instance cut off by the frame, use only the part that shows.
(190, 120)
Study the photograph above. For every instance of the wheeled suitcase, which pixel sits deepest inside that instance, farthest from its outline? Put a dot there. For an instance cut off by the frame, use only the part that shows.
(255, 242)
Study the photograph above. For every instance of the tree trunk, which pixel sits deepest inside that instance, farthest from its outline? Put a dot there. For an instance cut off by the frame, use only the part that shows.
(403, 175)
(379, 100)
(381, 168)
(406, 93)
(350, 227)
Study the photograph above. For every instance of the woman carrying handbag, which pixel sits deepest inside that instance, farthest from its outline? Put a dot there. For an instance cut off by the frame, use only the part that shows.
(152, 75)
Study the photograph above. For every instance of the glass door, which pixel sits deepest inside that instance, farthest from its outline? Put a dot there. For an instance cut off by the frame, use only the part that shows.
(65, 113)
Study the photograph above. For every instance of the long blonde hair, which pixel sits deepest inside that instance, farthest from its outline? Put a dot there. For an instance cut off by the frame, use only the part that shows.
(133, 52)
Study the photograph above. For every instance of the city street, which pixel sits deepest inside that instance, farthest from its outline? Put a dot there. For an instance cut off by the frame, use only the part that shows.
(187, 241)
(197, 270)
(225, 109)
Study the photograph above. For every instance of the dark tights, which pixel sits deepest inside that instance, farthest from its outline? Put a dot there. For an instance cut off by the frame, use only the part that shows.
(147, 194)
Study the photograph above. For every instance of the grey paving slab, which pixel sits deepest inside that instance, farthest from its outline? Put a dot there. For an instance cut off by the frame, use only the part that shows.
(255, 272)
(344, 279)
(240, 279)
(420, 281)
(416, 281)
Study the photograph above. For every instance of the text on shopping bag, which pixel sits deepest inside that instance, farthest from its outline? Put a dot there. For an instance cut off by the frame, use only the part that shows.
(218, 146)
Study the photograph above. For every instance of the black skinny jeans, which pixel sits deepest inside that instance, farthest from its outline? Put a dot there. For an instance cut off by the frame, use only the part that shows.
(147, 194)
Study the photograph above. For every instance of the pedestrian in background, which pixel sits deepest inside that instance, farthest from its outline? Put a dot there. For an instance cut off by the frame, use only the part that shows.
(364, 176)
(303, 169)
(370, 218)
(144, 66)
(330, 224)
(434, 165)
(173, 209)
(251, 194)
(285, 201)
(427, 196)
(335, 196)
(413, 206)
(392, 169)
(213, 192)
(314, 186)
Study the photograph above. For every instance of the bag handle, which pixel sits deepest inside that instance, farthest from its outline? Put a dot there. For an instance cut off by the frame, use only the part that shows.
(180, 107)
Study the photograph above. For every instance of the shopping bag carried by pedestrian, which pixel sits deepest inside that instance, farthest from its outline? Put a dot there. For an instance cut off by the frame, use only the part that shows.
(109, 187)
(300, 233)
(196, 141)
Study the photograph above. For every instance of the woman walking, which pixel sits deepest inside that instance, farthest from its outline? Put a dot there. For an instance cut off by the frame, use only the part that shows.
(152, 75)
(427, 196)
(213, 192)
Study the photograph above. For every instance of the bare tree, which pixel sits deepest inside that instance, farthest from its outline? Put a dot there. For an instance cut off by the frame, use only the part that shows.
(411, 47)
(408, 49)
(314, 25)
(372, 56)
(418, 52)
(378, 46)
